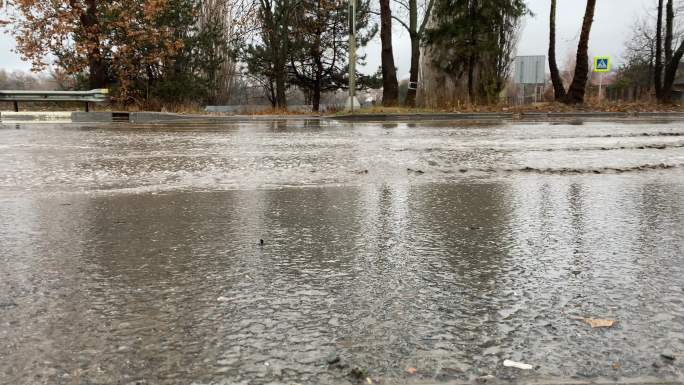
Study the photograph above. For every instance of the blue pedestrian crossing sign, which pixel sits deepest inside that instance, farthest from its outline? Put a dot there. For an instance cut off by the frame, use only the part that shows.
(602, 64)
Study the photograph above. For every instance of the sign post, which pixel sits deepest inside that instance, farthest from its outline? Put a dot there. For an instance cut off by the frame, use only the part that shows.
(529, 70)
(601, 66)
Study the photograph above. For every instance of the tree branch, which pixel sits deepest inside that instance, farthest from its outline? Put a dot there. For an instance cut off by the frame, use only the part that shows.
(395, 19)
(677, 56)
(405, 5)
(426, 17)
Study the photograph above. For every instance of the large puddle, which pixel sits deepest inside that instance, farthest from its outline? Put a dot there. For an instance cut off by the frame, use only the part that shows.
(153, 158)
(131, 254)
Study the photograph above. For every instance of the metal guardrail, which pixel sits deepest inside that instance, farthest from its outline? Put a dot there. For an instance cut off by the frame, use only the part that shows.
(87, 97)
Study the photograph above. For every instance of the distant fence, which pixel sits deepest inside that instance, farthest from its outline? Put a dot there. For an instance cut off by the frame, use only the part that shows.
(628, 94)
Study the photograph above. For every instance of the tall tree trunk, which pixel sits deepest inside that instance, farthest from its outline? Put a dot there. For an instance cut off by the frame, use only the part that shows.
(671, 58)
(416, 32)
(669, 26)
(415, 53)
(271, 94)
(413, 73)
(281, 99)
(471, 78)
(671, 73)
(390, 86)
(97, 71)
(280, 76)
(558, 87)
(472, 10)
(577, 89)
(279, 67)
(651, 70)
(658, 71)
(316, 100)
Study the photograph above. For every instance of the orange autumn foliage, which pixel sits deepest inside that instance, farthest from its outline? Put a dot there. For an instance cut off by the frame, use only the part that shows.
(113, 42)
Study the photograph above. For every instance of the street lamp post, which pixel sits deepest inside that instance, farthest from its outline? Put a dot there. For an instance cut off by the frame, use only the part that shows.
(351, 100)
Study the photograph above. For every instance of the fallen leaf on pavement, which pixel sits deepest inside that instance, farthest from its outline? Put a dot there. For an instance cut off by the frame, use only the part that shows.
(599, 323)
(411, 370)
(517, 365)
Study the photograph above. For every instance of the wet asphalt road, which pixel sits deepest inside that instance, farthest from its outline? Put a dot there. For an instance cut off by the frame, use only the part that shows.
(129, 254)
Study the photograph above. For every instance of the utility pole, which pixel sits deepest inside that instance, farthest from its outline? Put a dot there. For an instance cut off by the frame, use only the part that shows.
(351, 100)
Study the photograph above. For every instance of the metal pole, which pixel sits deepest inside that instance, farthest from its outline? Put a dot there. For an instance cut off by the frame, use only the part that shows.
(352, 53)
(600, 85)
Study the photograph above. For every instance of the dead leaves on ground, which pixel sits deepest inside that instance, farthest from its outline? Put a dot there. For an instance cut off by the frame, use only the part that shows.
(596, 323)
(599, 323)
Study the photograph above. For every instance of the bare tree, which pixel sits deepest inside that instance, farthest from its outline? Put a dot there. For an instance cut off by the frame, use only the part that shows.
(672, 57)
(651, 58)
(659, 52)
(577, 89)
(558, 87)
(236, 22)
(390, 86)
(418, 15)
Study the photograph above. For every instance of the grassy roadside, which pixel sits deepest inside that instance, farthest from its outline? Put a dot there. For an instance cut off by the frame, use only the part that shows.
(539, 107)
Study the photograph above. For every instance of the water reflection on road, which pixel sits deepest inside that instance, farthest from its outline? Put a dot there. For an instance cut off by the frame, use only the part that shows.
(109, 280)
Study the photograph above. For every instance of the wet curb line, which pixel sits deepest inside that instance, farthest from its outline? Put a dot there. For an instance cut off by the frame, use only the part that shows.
(163, 117)
(510, 116)
(135, 117)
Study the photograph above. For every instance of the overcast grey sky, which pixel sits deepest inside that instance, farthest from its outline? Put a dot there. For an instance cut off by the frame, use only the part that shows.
(612, 25)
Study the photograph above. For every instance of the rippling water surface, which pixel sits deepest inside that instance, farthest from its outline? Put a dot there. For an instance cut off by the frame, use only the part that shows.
(129, 254)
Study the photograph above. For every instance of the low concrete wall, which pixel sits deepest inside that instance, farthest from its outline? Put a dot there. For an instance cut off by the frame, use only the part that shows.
(160, 117)
(91, 117)
(149, 117)
(661, 114)
(57, 117)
